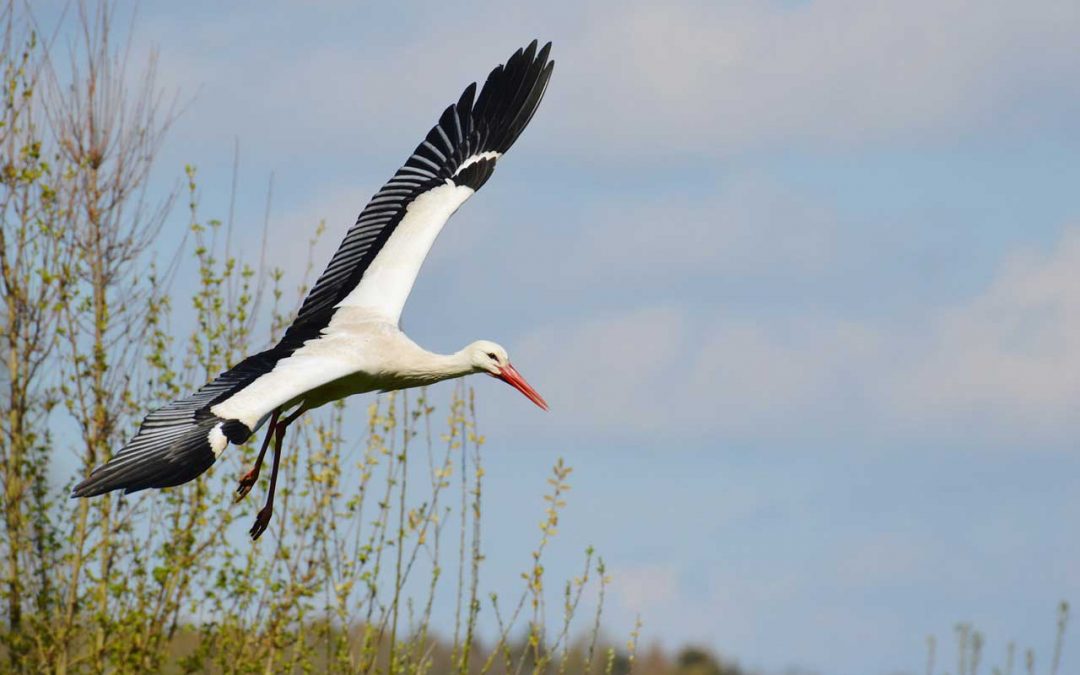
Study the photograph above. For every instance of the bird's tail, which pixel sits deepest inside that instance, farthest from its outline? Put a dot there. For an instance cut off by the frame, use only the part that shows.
(181, 440)
(165, 452)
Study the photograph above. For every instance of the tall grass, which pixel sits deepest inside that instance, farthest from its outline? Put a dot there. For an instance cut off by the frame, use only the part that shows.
(971, 651)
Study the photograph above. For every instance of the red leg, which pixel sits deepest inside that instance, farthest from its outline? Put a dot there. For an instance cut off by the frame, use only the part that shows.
(262, 520)
(248, 480)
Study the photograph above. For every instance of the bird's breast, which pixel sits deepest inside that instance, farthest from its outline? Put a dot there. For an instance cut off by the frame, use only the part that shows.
(356, 383)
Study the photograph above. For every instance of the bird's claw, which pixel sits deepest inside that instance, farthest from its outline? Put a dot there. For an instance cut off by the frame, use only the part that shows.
(262, 520)
(246, 483)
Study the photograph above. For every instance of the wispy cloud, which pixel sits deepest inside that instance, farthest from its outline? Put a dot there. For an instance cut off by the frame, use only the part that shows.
(1002, 364)
(642, 80)
(745, 226)
(1008, 361)
(644, 589)
(700, 77)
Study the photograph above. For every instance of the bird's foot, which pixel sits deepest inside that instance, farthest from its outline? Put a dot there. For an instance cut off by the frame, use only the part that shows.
(262, 520)
(246, 483)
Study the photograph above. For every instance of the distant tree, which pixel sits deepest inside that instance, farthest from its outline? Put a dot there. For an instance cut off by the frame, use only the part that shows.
(700, 661)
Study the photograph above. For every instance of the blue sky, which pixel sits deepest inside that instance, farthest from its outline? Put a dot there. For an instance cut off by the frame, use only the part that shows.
(801, 281)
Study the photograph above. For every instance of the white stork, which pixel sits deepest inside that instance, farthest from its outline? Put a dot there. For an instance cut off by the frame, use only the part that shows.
(345, 339)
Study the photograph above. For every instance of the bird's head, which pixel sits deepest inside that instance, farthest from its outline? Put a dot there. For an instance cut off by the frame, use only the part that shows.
(488, 357)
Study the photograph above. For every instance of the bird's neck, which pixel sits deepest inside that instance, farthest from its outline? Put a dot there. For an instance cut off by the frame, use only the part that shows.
(432, 368)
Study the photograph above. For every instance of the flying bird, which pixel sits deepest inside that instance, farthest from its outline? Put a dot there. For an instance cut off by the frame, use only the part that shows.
(346, 337)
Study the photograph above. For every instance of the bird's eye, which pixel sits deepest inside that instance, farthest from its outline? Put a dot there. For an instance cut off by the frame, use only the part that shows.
(491, 355)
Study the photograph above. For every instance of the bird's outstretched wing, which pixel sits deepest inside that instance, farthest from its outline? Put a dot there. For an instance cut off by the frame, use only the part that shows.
(377, 263)
(374, 268)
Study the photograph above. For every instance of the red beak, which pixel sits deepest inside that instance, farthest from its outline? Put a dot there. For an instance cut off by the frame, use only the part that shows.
(511, 376)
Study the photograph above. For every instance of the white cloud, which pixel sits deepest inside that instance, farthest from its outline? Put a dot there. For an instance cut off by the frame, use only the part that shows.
(636, 78)
(1008, 361)
(608, 372)
(646, 588)
(885, 558)
(702, 77)
(672, 371)
(1003, 365)
(748, 227)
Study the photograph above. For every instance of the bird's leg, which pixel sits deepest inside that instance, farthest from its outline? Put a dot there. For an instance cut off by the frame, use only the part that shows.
(248, 480)
(262, 520)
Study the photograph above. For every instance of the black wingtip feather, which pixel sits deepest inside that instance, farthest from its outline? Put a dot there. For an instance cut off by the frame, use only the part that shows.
(493, 118)
(466, 99)
(531, 104)
(180, 460)
(511, 95)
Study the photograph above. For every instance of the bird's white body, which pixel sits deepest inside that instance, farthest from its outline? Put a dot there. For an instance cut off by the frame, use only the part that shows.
(356, 354)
